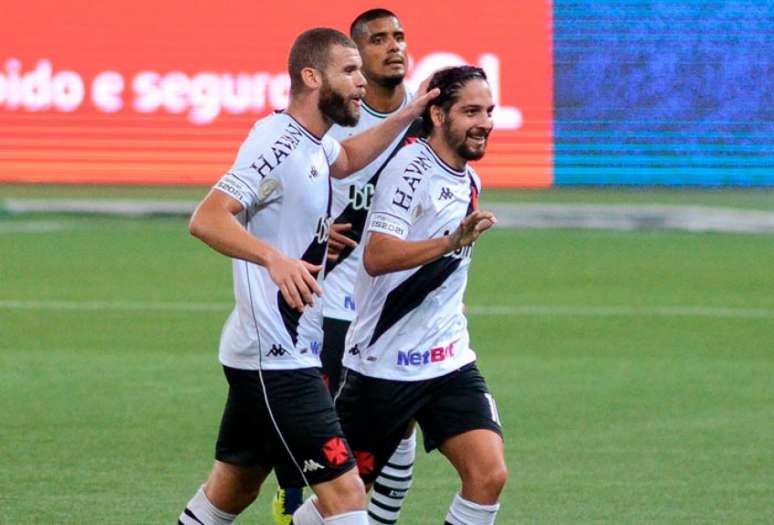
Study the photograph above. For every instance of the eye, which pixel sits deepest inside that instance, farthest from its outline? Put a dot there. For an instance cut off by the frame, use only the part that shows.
(377, 40)
(399, 37)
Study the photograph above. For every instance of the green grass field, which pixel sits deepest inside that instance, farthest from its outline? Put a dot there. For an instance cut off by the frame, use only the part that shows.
(634, 372)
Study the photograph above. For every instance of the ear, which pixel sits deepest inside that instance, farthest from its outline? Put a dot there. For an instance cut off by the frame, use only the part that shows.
(311, 77)
(437, 116)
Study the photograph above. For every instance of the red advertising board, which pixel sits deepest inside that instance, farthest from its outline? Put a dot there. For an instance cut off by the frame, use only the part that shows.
(163, 92)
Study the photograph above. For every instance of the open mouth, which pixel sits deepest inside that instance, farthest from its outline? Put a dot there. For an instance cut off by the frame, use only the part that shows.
(478, 138)
(394, 61)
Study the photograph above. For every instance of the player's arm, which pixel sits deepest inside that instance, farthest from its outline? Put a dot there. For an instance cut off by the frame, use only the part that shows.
(214, 222)
(359, 150)
(386, 253)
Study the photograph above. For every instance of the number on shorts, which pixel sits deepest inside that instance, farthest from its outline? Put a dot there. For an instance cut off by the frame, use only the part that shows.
(493, 409)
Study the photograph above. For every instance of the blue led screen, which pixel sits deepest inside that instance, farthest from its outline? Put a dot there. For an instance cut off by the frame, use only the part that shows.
(664, 92)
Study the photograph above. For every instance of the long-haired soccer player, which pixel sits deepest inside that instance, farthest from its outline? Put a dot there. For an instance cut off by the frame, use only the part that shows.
(408, 354)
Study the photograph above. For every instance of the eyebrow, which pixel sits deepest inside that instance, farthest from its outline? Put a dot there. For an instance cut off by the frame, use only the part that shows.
(385, 33)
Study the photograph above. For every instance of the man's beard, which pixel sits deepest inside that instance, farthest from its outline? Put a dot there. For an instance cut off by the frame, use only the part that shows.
(388, 82)
(335, 107)
(457, 143)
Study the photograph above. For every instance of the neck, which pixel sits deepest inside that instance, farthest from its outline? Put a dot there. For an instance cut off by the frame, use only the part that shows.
(304, 109)
(384, 99)
(446, 153)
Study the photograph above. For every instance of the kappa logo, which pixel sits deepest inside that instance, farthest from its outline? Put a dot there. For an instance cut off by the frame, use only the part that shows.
(311, 465)
(315, 347)
(313, 173)
(336, 451)
(354, 351)
(276, 351)
(446, 194)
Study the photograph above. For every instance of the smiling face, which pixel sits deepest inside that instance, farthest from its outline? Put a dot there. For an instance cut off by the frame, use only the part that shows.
(343, 86)
(466, 126)
(383, 48)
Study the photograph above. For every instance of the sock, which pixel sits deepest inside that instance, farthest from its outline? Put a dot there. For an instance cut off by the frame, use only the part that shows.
(358, 517)
(285, 503)
(200, 511)
(464, 512)
(392, 485)
(307, 513)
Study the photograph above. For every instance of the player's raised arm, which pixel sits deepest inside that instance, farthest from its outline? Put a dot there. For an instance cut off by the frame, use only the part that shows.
(386, 253)
(359, 150)
(214, 222)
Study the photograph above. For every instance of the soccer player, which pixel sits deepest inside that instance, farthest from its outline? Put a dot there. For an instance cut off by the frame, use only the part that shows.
(380, 38)
(408, 354)
(271, 214)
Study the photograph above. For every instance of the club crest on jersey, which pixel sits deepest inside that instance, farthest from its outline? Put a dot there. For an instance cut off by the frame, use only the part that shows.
(360, 199)
(323, 229)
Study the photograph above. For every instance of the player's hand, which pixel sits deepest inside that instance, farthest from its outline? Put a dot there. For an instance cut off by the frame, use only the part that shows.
(423, 97)
(337, 241)
(295, 281)
(471, 228)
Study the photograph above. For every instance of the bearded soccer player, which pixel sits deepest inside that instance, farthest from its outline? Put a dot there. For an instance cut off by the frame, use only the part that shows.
(408, 353)
(381, 42)
(271, 214)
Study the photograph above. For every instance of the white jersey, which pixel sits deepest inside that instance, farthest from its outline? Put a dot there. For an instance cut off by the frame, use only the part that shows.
(351, 201)
(281, 177)
(410, 324)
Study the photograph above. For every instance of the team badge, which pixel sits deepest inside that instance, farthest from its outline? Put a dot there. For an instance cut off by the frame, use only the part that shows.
(335, 450)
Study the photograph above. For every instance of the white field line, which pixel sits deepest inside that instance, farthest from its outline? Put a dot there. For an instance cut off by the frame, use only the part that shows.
(490, 310)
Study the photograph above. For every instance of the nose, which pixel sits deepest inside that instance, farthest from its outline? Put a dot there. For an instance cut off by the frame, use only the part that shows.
(360, 79)
(393, 44)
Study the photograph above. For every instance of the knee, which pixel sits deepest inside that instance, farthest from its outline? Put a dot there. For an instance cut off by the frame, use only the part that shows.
(347, 494)
(485, 485)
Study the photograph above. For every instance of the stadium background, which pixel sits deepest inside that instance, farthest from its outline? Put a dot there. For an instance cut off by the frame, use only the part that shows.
(631, 359)
(609, 92)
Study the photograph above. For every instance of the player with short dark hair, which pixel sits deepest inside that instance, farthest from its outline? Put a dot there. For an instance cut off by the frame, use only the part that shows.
(271, 214)
(408, 354)
(381, 40)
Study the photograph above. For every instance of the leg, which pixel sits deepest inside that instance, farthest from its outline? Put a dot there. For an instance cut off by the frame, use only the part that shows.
(335, 333)
(463, 422)
(228, 491)
(340, 501)
(392, 485)
(478, 457)
(480, 461)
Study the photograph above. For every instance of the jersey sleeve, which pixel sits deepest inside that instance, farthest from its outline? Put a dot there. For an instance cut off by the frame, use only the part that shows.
(395, 200)
(248, 180)
(332, 149)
